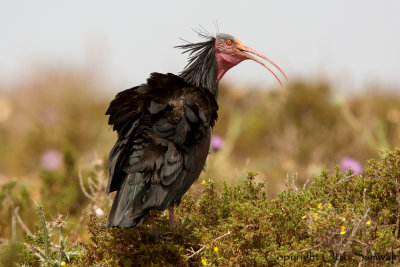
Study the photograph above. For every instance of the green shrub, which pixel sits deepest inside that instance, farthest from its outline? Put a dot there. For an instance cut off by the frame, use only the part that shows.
(340, 214)
(342, 219)
(45, 247)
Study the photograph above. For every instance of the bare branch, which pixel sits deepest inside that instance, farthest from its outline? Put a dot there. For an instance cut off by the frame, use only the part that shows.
(84, 188)
(307, 249)
(204, 246)
(19, 219)
(351, 238)
(92, 186)
(305, 184)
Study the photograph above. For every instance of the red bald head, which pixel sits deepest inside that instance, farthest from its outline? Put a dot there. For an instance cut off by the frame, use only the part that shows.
(229, 52)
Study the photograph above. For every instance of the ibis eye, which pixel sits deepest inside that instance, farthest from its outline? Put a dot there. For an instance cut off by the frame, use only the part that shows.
(228, 42)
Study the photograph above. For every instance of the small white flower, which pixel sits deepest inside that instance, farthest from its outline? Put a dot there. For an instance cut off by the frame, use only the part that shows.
(99, 212)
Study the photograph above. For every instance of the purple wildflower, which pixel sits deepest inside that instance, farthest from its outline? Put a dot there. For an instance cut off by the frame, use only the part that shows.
(348, 163)
(51, 160)
(216, 142)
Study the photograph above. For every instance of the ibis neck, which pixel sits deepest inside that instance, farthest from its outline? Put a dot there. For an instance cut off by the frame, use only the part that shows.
(202, 75)
(202, 71)
(225, 62)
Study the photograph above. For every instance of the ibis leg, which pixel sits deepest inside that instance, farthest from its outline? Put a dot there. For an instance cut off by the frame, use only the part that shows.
(154, 232)
(171, 217)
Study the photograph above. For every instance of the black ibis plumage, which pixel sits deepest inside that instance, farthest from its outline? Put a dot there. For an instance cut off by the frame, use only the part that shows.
(164, 130)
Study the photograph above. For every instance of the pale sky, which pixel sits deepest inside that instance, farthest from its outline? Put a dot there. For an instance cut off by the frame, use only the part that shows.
(348, 42)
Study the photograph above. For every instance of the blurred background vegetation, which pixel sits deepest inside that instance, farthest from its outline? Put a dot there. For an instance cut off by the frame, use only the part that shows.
(55, 140)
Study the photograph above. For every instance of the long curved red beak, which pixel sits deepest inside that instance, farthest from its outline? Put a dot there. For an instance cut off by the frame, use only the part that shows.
(244, 48)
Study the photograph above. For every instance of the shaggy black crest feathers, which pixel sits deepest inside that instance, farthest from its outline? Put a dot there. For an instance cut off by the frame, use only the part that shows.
(202, 68)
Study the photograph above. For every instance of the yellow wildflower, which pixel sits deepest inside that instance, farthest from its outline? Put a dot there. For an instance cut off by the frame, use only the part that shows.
(305, 216)
(368, 222)
(216, 249)
(315, 214)
(329, 204)
(343, 219)
(203, 261)
(319, 205)
(343, 230)
(63, 263)
(204, 182)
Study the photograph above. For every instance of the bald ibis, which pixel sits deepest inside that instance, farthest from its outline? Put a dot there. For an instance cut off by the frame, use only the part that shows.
(164, 130)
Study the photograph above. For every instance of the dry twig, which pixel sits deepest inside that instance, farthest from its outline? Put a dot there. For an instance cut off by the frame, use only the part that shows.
(204, 246)
(351, 238)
